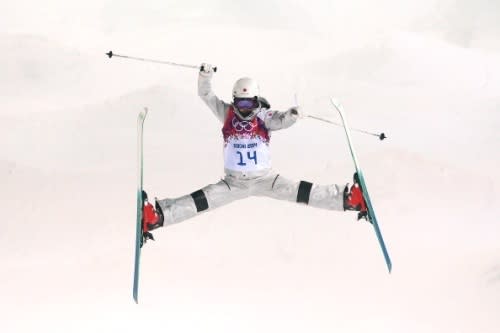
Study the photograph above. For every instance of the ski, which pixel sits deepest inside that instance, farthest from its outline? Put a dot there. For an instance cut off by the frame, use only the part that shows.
(140, 203)
(371, 212)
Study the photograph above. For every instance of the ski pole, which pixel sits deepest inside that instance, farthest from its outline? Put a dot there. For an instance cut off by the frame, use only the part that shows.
(381, 136)
(111, 54)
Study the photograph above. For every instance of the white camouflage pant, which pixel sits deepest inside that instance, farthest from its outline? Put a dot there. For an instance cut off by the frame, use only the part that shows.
(233, 188)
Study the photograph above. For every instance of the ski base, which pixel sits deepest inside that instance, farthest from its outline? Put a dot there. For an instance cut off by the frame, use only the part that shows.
(371, 212)
(140, 203)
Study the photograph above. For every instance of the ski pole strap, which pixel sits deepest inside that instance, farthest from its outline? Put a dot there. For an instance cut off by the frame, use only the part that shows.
(200, 200)
(304, 192)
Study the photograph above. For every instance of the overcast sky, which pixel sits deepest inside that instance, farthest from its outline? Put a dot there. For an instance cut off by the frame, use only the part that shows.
(82, 23)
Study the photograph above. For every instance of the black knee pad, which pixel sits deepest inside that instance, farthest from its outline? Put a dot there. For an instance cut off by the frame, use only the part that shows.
(200, 200)
(304, 192)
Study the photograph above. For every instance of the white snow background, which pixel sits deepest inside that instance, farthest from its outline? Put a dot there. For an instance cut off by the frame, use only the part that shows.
(426, 73)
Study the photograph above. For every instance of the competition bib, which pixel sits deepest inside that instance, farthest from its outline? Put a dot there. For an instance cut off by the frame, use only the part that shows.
(246, 144)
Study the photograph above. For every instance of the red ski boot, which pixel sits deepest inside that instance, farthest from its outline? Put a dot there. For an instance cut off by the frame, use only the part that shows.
(151, 218)
(354, 200)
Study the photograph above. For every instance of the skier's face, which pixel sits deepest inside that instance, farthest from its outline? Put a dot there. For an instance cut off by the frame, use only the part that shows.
(246, 105)
(245, 112)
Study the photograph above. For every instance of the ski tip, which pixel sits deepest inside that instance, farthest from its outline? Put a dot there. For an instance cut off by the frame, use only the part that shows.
(336, 104)
(135, 293)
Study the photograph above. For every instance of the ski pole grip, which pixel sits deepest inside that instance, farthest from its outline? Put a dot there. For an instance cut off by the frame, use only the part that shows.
(202, 68)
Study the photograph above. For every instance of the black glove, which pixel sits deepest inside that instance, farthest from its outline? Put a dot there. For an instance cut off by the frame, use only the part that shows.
(207, 69)
(294, 110)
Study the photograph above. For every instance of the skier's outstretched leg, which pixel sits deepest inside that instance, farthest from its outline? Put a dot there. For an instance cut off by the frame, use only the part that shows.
(322, 196)
(208, 198)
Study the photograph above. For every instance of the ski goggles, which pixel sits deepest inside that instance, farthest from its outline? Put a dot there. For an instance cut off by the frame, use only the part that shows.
(246, 103)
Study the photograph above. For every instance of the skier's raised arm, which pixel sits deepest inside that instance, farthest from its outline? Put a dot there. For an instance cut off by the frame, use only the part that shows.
(218, 106)
(276, 120)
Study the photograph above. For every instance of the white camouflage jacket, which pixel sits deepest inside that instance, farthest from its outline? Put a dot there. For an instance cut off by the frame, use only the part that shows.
(278, 120)
(273, 120)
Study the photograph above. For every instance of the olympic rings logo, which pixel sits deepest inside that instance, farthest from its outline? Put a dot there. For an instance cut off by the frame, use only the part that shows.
(243, 125)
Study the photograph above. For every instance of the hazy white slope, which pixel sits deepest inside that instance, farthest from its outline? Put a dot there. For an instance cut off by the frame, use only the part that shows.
(433, 97)
(43, 75)
(257, 265)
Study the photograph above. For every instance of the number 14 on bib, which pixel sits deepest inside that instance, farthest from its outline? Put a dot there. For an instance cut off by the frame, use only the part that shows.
(249, 156)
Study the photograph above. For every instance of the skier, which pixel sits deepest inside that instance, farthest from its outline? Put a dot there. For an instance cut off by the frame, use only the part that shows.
(247, 125)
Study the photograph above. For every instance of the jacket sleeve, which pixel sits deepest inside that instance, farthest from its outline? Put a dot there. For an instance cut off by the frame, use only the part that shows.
(276, 120)
(218, 106)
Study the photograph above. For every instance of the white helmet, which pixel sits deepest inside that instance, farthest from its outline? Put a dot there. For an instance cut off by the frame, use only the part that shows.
(246, 88)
